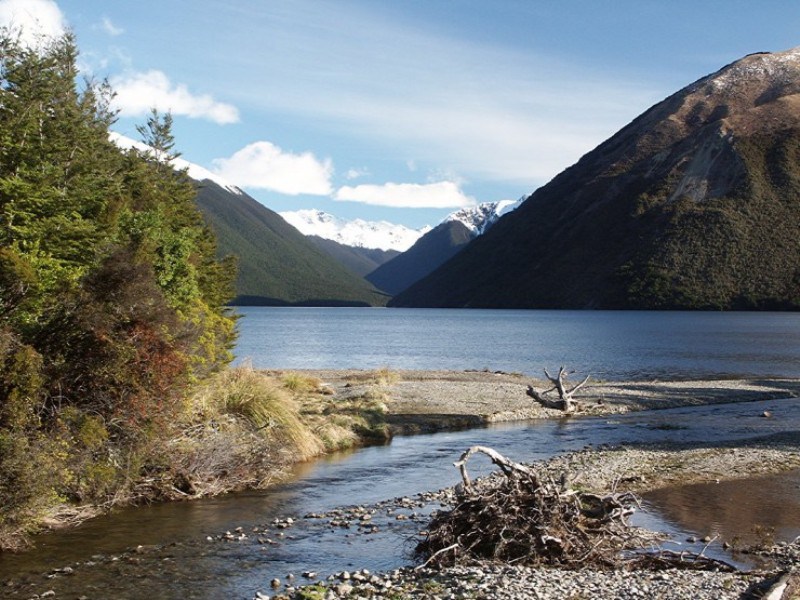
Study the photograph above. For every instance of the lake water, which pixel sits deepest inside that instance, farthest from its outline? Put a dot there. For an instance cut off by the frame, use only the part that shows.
(611, 345)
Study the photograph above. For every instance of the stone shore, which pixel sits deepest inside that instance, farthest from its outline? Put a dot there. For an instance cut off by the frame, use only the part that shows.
(429, 401)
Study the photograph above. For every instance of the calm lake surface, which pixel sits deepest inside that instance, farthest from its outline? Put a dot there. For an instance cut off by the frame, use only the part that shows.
(611, 345)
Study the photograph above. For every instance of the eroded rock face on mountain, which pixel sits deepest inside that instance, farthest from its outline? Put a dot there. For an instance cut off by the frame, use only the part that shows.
(695, 204)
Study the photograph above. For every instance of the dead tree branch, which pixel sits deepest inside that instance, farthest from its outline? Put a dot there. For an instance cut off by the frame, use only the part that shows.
(565, 400)
(528, 516)
(507, 465)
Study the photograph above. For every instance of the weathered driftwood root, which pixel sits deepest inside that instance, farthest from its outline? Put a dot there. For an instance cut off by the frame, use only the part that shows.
(506, 465)
(565, 400)
(529, 517)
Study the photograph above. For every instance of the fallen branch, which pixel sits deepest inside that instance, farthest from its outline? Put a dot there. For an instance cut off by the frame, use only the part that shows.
(565, 400)
(506, 465)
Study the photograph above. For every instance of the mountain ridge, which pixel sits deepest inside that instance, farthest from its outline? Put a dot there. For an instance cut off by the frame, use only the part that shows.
(278, 266)
(358, 233)
(678, 209)
(438, 245)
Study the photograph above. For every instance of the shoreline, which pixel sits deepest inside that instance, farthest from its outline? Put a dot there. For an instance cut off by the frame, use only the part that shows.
(430, 401)
(441, 400)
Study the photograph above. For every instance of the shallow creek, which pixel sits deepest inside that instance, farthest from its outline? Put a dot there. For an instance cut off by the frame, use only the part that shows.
(180, 550)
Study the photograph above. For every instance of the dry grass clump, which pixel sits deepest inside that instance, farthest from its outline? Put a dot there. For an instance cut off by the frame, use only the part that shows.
(266, 404)
(343, 423)
(383, 377)
(301, 383)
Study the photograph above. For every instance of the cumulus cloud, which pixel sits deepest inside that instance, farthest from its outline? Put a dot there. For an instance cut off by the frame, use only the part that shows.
(444, 194)
(264, 165)
(137, 93)
(36, 21)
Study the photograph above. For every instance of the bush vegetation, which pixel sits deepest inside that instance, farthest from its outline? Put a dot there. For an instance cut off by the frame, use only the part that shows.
(114, 336)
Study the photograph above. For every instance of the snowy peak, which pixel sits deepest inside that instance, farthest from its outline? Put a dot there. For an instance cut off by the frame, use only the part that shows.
(358, 232)
(478, 219)
(194, 171)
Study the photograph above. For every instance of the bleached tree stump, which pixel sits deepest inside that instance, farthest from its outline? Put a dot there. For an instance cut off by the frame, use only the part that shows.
(565, 401)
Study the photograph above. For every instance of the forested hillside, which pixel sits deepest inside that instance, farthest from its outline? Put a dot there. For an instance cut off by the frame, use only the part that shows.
(278, 265)
(110, 292)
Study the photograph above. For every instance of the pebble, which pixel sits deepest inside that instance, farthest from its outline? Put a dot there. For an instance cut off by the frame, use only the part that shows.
(504, 582)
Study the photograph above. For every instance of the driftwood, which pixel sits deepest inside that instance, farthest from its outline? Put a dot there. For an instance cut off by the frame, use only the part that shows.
(506, 465)
(565, 400)
(528, 517)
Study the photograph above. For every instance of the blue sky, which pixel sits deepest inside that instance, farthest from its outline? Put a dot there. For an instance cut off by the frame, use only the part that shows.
(400, 110)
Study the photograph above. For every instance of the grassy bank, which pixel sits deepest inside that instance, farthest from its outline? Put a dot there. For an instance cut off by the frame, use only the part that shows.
(241, 429)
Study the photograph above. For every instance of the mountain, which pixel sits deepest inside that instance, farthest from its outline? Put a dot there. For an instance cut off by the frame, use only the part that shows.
(438, 245)
(695, 204)
(358, 259)
(278, 265)
(478, 219)
(356, 233)
(431, 250)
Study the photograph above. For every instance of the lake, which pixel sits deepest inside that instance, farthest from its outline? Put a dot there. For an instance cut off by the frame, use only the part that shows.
(611, 345)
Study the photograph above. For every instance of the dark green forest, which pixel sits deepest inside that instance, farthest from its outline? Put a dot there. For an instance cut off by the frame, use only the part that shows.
(111, 298)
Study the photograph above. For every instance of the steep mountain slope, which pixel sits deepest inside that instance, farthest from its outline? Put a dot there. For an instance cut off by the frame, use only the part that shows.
(277, 264)
(358, 259)
(439, 245)
(431, 250)
(695, 204)
(357, 233)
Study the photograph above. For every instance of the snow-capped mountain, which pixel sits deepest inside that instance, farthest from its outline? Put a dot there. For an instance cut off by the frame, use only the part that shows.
(358, 232)
(479, 218)
(194, 171)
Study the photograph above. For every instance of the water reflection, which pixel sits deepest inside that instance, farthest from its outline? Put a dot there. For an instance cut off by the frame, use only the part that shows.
(188, 566)
(739, 512)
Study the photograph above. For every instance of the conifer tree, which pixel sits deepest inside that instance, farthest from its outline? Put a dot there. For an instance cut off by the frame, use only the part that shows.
(111, 298)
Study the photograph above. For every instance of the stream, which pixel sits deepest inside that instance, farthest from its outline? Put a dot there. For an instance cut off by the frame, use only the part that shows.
(180, 550)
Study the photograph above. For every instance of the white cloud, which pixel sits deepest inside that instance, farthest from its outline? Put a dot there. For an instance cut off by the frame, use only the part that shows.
(36, 21)
(109, 27)
(265, 165)
(503, 112)
(137, 93)
(356, 173)
(444, 194)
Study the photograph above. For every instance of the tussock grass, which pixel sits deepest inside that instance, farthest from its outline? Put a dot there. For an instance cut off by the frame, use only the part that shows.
(266, 404)
(382, 377)
(301, 383)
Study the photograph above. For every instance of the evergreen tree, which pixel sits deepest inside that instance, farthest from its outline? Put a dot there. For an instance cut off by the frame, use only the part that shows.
(111, 299)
